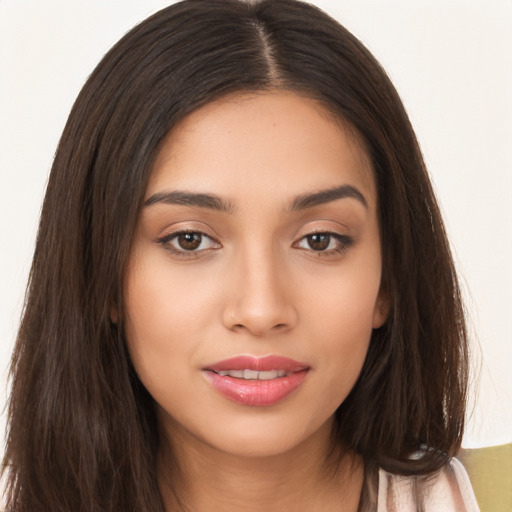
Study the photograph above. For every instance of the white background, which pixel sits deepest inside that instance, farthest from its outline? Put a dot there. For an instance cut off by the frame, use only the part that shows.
(451, 61)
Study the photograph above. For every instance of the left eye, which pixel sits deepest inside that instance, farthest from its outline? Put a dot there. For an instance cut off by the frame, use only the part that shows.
(323, 242)
(188, 241)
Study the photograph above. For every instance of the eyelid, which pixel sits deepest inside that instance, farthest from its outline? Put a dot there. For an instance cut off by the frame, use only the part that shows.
(166, 239)
(344, 240)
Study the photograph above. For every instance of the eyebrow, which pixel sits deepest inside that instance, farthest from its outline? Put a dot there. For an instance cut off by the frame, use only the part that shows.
(214, 202)
(326, 196)
(200, 200)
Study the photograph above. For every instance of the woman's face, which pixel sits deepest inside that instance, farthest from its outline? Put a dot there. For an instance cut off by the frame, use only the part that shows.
(253, 283)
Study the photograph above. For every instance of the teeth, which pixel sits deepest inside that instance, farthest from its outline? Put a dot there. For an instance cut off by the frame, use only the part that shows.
(253, 374)
(272, 374)
(238, 374)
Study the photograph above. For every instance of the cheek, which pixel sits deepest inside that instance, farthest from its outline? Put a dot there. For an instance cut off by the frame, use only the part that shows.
(341, 320)
(165, 313)
(343, 303)
(164, 299)
(344, 340)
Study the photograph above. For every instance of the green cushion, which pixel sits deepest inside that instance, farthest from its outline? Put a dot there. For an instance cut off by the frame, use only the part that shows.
(490, 472)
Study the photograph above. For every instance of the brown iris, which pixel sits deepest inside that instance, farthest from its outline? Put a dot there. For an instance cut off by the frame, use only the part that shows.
(319, 241)
(189, 241)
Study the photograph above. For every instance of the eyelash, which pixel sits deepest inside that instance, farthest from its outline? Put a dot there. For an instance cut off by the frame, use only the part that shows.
(167, 240)
(344, 242)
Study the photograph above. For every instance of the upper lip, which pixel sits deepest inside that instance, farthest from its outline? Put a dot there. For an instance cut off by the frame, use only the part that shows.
(266, 363)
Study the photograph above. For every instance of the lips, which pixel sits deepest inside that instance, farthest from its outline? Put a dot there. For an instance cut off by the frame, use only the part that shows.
(256, 381)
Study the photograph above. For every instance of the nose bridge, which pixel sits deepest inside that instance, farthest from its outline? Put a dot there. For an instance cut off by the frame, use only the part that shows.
(259, 299)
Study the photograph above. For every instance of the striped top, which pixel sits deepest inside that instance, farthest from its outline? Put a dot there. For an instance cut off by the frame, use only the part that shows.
(448, 490)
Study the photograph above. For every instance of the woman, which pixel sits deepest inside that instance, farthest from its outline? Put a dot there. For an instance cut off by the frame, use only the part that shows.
(242, 293)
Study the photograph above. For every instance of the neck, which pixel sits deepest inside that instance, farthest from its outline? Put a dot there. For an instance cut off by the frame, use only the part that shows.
(308, 477)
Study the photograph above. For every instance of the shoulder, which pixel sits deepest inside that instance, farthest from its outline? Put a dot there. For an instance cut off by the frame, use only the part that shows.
(448, 490)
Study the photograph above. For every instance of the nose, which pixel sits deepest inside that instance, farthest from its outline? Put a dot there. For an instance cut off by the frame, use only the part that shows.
(260, 297)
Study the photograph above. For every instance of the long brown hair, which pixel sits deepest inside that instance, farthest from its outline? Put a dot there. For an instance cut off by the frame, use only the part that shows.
(82, 429)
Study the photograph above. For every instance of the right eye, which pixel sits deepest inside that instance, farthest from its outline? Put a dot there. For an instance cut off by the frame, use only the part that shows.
(186, 243)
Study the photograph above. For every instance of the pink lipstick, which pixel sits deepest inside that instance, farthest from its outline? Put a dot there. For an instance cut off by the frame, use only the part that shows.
(256, 381)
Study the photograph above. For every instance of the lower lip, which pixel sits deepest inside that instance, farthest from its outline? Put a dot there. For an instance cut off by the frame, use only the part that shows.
(256, 393)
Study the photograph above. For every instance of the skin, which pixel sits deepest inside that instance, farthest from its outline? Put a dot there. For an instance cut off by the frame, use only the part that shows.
(255, 286)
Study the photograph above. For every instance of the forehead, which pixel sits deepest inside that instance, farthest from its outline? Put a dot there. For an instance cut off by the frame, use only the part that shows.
(273, 143)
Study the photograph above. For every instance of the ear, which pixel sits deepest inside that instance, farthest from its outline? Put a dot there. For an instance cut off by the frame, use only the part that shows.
(381, 310)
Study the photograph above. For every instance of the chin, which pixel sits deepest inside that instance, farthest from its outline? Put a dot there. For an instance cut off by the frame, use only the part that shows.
(265, 435)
